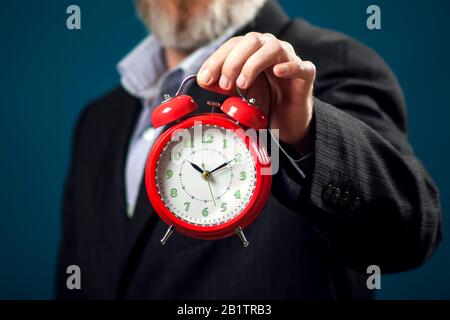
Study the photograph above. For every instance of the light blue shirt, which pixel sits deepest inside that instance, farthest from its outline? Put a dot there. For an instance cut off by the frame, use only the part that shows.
(144, 75)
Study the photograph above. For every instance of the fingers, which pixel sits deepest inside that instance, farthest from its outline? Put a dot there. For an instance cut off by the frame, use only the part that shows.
(211, 69)
(270, 53)
(235, 61)
(240, 60)
(305, 70)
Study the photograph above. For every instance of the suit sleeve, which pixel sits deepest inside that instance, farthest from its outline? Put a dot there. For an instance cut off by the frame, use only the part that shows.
(365, 192)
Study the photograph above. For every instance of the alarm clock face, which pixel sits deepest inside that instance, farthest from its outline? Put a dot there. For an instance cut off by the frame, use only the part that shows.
(206, 175)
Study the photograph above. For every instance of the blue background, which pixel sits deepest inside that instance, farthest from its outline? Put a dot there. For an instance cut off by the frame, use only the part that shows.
(49, 73)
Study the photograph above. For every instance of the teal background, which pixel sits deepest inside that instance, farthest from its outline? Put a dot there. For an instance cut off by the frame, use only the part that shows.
(49, 73)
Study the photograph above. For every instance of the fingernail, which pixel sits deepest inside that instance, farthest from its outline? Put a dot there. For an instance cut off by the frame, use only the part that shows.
(282, 69)
(224, 83)
(204, 76)
(241, 82)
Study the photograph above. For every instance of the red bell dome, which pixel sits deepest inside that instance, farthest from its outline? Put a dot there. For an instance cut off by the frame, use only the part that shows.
(245, 113)
(172, 109)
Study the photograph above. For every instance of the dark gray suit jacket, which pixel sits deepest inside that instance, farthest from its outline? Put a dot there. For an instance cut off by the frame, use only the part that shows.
(366, 199)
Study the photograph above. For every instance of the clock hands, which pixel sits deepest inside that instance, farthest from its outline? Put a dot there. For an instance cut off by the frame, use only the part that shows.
(196, 167)
(205, 172)
(222, 165)
(206, 175)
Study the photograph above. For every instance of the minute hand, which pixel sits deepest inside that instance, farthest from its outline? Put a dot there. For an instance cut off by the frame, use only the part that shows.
(222, 165)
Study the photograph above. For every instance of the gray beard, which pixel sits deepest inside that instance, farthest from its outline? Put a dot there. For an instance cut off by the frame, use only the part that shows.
(197, 30)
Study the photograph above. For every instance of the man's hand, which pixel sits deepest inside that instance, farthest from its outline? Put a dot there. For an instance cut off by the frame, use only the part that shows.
(240, 62)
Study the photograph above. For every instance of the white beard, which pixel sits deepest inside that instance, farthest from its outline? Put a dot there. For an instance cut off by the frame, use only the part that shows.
(196, 30)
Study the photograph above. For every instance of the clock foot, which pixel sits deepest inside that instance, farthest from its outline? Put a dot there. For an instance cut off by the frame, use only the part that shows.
(167, 235)
(241, 236)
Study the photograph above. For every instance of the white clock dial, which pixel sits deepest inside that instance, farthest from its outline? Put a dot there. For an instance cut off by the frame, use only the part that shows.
(188, 184)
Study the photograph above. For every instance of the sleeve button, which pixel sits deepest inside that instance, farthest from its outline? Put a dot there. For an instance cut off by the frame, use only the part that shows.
(336, 195)
(327, 192)
(345, 198)
(356, 203)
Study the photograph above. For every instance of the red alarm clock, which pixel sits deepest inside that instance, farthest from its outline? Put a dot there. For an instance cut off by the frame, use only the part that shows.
(205, 176)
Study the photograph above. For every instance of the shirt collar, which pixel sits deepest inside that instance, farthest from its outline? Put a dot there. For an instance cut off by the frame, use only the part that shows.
(144, 68)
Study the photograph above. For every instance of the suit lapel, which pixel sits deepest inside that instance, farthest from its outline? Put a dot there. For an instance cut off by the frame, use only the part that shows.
(108, 227)
(270, 19)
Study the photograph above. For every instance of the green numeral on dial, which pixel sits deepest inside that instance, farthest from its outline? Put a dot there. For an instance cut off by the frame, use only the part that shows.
(205, 212)
(243, 176)
(238, 157)
(209, 139)
(169, 174)
(237, 194)
(224, 207)
(224, 143)
(186, 206)
(173, 192)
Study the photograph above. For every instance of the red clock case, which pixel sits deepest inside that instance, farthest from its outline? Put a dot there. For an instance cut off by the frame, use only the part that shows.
(243, 219)
(237, 111)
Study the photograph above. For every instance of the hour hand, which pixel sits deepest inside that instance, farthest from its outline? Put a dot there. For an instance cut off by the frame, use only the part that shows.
(196, 167)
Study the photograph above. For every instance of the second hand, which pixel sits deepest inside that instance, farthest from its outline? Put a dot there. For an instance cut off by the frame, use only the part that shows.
(209, 185)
